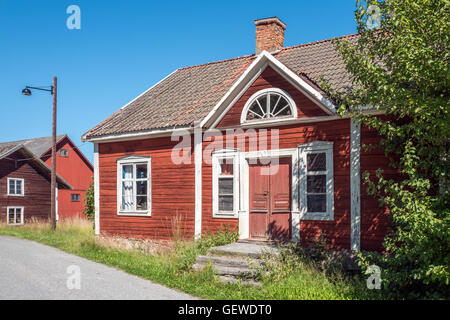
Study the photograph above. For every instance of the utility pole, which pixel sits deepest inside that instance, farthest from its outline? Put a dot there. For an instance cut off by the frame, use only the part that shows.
(53, 178)
(53, 91)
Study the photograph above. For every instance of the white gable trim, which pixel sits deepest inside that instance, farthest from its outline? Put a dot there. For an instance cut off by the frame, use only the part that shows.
(264, 60)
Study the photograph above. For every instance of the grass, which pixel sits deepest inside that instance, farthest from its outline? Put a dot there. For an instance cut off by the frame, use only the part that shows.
(172, 268)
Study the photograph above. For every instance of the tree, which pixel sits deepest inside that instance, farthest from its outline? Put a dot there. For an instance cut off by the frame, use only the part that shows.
(89, 202)
(401, 68)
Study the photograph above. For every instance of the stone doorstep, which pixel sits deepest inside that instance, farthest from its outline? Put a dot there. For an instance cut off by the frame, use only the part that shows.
(227, 261)
(225, 270)
(246, 249)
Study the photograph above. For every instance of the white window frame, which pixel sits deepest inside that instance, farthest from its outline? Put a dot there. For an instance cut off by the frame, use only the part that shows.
(22, 190)
(216, 170)
(134, 160)
(305, 149)
(15, 214)
(263, 92)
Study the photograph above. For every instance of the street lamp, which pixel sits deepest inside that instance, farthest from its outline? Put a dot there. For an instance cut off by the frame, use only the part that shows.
(52, 90)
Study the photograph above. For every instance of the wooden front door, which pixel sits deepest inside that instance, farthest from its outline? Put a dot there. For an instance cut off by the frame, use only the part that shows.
(270, 200)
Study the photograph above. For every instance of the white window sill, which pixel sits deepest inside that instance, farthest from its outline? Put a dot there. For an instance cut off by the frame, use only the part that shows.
(16, 195)
(15, 224)
(135, 214)
(225, 215)
(320, 216)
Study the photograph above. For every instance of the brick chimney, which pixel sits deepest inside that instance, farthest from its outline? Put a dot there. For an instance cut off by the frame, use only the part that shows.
(269, 34)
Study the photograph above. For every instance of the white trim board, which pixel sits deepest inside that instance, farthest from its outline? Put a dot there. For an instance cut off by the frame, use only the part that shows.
(355, 185)
(96, 189)
(198, 160)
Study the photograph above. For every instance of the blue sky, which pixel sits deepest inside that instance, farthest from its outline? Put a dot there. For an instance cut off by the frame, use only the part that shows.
(124, 47)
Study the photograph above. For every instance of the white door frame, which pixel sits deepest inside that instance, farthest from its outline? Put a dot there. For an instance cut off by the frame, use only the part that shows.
(244, 203)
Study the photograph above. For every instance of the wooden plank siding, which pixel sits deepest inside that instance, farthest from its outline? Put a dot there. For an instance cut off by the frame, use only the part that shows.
(172, 191)
(75, 170)
(36, 199)
(291, 136)
(374, 218)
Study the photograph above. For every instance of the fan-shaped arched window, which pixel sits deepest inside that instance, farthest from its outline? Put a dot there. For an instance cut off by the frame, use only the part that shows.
(269, 104)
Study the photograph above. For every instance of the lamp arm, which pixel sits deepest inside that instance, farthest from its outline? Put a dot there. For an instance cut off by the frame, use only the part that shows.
(40, 88)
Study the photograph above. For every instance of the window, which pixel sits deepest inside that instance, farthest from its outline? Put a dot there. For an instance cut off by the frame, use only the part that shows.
(75, 197)
(269, 104)
(14, 215)
(225, 184)
(16, 187)
(316, 181)
(64, 153)
(134, 186)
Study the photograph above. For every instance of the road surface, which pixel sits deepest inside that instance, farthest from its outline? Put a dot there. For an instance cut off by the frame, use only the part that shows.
(29, 270)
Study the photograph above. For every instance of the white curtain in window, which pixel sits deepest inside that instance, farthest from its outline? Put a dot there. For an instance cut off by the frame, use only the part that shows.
(127, 188)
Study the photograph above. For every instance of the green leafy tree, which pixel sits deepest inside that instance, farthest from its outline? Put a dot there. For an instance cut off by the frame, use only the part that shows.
(89, 204)
(399, 65)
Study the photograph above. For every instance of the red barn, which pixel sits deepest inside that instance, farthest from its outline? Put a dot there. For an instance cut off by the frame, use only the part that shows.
(253, 143)
(71, 165)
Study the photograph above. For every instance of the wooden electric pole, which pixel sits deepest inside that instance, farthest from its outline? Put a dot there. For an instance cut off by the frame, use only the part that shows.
(53, 178)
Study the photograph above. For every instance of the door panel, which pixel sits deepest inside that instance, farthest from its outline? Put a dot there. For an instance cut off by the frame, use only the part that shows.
(259, 201)
(270, 200)
(280, 200)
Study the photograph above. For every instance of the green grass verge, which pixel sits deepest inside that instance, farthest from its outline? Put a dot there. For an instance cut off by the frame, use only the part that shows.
(173, 268)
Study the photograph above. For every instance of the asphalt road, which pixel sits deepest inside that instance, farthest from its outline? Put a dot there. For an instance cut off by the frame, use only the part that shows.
(29, 270)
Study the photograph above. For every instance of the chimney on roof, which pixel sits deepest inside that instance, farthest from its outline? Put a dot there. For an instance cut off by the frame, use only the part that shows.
(269, 34)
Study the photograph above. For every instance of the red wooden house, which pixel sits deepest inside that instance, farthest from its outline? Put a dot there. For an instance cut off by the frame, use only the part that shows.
(251, 142)
(71, 165)
(24, 185)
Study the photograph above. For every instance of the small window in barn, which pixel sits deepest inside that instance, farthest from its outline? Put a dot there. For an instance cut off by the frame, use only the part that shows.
(16, 187)
(14, 215)
(269, 104)
(75, 197)
(134, 185)
(64, 153)
(316, 181)
(225, 184)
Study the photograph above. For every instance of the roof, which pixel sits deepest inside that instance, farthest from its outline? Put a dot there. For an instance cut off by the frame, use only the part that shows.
(9, 148)
(38, 146)
(190, 94)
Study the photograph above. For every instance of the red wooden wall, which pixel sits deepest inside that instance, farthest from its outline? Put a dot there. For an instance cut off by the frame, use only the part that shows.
(338, 131)
(173, 191)
(77, 171)
(36, 199)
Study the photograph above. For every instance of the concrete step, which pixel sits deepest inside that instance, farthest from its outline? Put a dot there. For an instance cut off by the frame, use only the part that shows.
(228, 261)
(243, 249)
(225, 270)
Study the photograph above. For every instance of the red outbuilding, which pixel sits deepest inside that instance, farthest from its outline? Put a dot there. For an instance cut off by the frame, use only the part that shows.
(71, 166)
